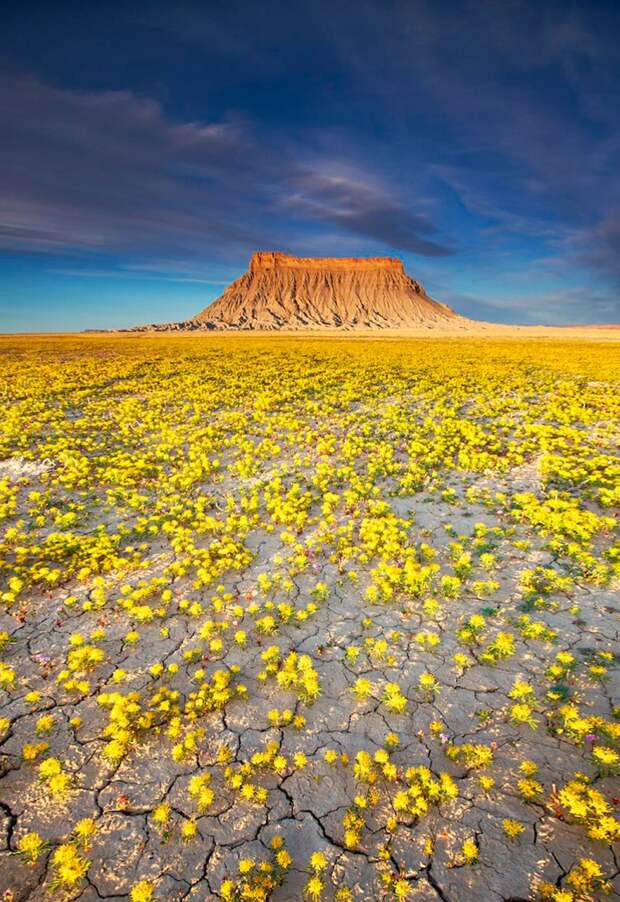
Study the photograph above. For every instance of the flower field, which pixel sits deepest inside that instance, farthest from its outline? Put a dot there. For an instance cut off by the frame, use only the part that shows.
(302, 618)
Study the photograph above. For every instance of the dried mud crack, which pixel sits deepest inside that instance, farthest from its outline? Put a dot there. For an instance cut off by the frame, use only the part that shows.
(308, 619)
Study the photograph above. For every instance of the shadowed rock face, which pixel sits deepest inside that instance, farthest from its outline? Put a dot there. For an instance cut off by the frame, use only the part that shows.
(283, 292)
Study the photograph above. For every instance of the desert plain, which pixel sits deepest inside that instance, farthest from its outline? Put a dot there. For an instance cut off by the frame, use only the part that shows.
(310, 617)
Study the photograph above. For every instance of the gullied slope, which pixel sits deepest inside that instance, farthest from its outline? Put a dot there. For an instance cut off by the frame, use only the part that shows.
(279, 291)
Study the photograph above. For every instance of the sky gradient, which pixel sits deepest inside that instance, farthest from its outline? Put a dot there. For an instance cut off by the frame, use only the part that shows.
(149, 149)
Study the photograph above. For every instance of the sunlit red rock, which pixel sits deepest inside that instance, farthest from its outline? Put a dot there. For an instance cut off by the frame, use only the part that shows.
(284, 292)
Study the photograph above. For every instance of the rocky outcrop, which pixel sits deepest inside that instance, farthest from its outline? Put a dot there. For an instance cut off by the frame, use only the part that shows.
(283, 292)
(277, 260)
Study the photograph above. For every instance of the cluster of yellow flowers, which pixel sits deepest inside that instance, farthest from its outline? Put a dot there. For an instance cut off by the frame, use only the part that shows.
(473, 757)
(57, 780)
(69, 866)
(295, 673)
(256, 881)
(583, 882)
(315, 885)
(240, 557)
(580, 802)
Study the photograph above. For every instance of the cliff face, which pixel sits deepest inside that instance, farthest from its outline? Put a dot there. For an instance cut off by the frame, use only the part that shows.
(276, 260)
(283, 292)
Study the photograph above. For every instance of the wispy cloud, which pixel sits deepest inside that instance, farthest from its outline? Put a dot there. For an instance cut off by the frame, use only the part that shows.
(108, 171)
(351, 201)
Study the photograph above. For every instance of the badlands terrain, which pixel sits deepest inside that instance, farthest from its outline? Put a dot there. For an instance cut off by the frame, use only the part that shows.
(304, 618)
(280, 292)
(366, 296)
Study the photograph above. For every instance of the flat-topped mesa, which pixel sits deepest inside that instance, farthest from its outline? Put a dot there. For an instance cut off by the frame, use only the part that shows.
(280, 291)
(263, 260)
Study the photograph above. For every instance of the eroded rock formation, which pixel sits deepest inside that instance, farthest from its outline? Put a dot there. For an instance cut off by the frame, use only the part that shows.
(283, 292)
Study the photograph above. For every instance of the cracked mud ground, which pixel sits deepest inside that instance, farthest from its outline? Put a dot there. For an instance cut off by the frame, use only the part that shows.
(300, 618)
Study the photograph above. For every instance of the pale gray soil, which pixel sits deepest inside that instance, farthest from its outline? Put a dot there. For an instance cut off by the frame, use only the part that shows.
(307, 806)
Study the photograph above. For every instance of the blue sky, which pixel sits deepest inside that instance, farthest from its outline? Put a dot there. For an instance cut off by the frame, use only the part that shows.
(149, 149)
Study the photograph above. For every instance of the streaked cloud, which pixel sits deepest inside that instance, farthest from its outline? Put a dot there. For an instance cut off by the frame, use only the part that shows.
(108, 171)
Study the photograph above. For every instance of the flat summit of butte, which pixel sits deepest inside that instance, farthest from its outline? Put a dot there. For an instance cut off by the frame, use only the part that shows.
(279, 291)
